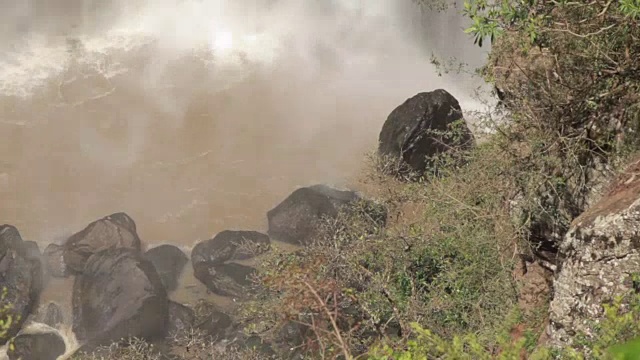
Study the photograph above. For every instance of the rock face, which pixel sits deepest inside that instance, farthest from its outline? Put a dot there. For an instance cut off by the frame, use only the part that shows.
(119, 295)
(213, 264)
(37, 346)
(20, 277)
(169, 262)
(414, 131)
(295, 219)
(601, 254)
(53, 259)
(111, 232)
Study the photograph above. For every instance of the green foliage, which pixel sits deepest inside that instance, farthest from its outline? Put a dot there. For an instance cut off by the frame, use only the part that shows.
(427, 345)
(7, 317)
(448, 266)
(615, 338)
(570, 86)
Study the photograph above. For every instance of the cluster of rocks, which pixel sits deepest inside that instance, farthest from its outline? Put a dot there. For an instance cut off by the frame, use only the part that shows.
(119, 291)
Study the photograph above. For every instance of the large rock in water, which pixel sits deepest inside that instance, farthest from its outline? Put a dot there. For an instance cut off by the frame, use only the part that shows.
(119, 295)
(416, 131)
(601, 255)
(169, 262)
(113, 231)
(295, 220)
(21, 278)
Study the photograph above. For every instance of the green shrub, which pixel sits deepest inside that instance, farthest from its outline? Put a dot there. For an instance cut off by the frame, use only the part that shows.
(7, 317)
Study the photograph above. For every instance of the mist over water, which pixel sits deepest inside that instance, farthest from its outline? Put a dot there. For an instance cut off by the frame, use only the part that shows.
(199, 116)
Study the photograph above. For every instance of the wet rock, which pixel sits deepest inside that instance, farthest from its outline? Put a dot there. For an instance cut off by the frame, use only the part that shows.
(229, 279)
(53, 259)
(230, 245)
(601, 255)
(50, 314)
(21, 279)
(181, 319)
(213, 265)
(424, 126)
(295, 220)
(217, 325)
(32, 250)
(119, 295)
(111, 232)
(37, 346)
(169, 262)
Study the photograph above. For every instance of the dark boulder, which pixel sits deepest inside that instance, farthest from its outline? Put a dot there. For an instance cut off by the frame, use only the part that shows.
(296, 219)
(111, 232)
(53, 259)
(46, 345)
(229, 279)
(50, 315)
(230, 245)
(119, 295)
(181, 319)
(20, 280)
(217, 325)
(210, 261)
(422, 127)
(169, 262)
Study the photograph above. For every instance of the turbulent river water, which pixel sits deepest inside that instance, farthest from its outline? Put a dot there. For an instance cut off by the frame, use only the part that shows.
(196, 116)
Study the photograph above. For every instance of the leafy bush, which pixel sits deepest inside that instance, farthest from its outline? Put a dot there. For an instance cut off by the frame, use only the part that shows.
(7, 317)
(568, 75)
